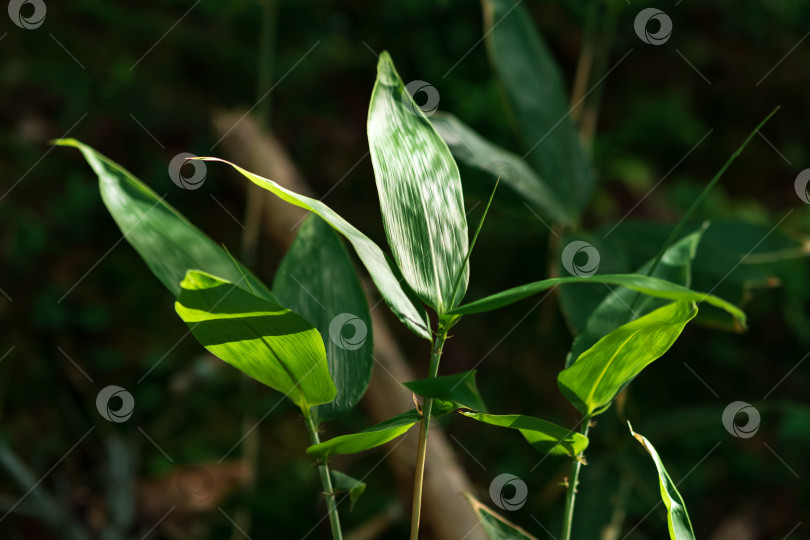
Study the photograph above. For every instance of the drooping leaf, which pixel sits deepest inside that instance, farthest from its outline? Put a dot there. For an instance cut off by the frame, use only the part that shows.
(534, 93)
(382, 270)
(495, 526)
(168, 243)
(343, 483)
(658, 288)
(368, 438)
(545, 437)
(680, 528)
(316, 279)
(599, 373)
(420, 192)
(262, 339)
(615, 309)
(460, 389)
(471, 148)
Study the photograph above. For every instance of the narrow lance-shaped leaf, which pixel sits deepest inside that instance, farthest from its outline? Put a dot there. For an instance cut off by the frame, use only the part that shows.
(316, 279)
(472, 149)
(680, 528)
(651, 286)
(495, 526)
(543, 436)
(420, 192)
(460, 390)
(382, 270)
(595, 377)
(262, 339)
(372, 437)
(168, 243)
(344, 483)
(537, 101)
(615, 309)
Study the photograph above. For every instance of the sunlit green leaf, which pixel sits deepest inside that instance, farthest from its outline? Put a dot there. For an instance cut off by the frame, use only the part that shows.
(382, 270)
(344, 483)
(420, 192)
(599, 373)
(166, 241)
(316, 279)
(495, 526)
(471, 148)
(368, 438)
(680, 528)
(545, 437)
(460, 389)
(262, 339)
(537, 101)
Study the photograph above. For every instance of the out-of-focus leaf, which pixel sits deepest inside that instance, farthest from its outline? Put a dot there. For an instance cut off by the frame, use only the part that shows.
(262, 339)
(535, 97)
(460, 389)
(420, 193)
(316, 279)
(345, 483)
(658, 288)
(496, 527)
(545, 437)
(594, 378)
(368, 438)
(166, 241)
(474, 150)
(382, 270)
(680, 528)
(615, 309)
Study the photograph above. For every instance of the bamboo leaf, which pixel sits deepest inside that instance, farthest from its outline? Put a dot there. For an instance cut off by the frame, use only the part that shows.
(344, 483)
(680, 527)
(599, 373)
(372, 437)
(168, 243)
(460, 389)
(420, 192)
(495, 526)
(262, 339)
(545, 437)
(382, 270)
(316, 279)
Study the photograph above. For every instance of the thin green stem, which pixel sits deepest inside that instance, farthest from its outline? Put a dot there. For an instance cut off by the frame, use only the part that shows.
(326, 481)
(427, 408)
(571, 494)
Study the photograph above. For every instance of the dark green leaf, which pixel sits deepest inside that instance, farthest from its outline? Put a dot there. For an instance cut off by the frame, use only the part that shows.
(262, 339)
(545, 437)
(382, 270)
(345, 483)
(680, 528)
(166, 241)
(537, 101)
(368, 438)
(316, 279)
(496, 527)
(474, 150)
(460, 389)
(420, 192)
(599, 373)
